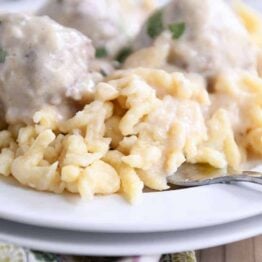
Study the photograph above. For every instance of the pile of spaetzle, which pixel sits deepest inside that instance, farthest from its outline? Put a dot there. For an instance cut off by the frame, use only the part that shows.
(141, 125)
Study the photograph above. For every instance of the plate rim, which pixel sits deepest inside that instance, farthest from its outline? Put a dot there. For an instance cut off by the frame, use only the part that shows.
(192, 240)
(60, 222)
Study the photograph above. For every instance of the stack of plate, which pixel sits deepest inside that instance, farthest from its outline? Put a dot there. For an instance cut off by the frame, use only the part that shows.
(170, 221)
(160, 222)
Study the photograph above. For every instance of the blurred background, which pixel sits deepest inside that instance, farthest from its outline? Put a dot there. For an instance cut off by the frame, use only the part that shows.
(33, 5)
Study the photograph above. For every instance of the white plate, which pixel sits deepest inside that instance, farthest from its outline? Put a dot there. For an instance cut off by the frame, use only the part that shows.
(79, 243)
(163, 211)
(159, 211)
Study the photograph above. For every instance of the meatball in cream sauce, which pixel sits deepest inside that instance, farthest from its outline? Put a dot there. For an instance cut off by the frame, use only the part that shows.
(42, 64)
(204, 36)
(110, 24)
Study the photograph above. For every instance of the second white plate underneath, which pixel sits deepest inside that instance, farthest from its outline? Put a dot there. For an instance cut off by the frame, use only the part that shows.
(84, 243)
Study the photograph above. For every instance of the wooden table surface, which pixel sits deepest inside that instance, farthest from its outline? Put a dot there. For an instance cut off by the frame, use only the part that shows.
(249, 250)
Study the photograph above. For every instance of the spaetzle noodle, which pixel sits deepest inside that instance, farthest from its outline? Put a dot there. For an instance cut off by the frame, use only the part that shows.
(141, 123)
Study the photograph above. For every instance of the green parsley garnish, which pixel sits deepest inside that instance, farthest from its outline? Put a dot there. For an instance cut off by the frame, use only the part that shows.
(101, 52)
(155, 24)
(123, 54)
(177, 29)
(3, 55)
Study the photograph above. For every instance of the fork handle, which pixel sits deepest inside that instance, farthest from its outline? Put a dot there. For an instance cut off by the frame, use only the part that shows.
(249, 176)
(246, 176)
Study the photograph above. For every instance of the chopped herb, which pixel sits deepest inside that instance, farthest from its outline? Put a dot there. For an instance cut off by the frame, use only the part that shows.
(3, 55)
(101, 52)
(155, 24)
(123, 54)
(177, 29)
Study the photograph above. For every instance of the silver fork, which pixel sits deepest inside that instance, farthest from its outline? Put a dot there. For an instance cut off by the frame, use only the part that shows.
(190, 175)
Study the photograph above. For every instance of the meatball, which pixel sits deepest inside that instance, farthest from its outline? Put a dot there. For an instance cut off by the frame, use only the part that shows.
(42, 63)
(110, 24)
(204, 36)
